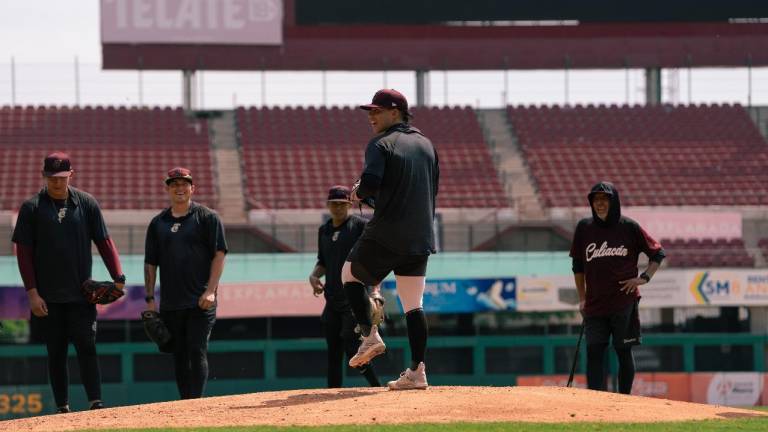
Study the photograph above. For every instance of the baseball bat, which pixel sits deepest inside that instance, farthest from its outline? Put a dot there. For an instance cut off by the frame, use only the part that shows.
(576, 356)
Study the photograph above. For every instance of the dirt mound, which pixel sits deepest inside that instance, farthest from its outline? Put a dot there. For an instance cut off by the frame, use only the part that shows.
(372, 406)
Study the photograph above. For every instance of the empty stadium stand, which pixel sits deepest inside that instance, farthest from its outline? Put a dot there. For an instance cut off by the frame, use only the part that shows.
(657, 155)
(291, 156)
(119, 155)
(707, 253)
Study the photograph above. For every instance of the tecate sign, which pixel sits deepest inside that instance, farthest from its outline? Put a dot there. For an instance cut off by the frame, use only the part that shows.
(234, 22)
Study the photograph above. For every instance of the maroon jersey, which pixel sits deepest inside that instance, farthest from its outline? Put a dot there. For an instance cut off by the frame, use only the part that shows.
(609, 255)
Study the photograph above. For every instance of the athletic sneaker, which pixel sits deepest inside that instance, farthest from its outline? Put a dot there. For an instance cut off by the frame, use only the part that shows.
(370, 348)
(63, 409)
(97, 404)
(411, 380)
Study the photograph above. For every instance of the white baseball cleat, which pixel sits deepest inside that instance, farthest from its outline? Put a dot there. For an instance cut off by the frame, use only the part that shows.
(411, 380)
(370, 348)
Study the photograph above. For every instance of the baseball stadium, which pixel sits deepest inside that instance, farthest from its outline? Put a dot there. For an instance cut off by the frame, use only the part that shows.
(596, 246)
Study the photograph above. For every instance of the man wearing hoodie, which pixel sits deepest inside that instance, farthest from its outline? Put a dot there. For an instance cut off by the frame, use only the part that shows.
(605, 250)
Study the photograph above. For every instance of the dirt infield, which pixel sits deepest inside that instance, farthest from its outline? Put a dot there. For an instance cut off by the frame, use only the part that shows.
(373, 406)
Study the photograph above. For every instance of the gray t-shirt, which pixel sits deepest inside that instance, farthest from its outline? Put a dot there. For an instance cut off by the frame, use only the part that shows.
(407, 164)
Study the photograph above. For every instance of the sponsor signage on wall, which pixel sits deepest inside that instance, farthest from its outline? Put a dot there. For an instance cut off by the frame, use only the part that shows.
(724, 388)
(464, 295)
(230, 22)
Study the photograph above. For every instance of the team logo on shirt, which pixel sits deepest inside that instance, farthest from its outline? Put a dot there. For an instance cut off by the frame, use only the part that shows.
(335, 236)
(175, 227)
(62, 214)
(604, 251)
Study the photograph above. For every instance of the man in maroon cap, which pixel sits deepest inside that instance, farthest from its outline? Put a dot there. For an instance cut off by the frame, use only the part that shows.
(335, 238)
(186, 241)
(400, 177)
(53, 236)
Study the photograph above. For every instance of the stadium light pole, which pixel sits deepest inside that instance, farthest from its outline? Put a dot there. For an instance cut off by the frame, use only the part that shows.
(13, 81)
(749, 80)
(77, 81)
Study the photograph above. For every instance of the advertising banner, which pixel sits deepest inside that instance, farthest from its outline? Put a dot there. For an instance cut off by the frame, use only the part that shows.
(229, 22)
(236, 300)
(727, 388)
(546, 293)
(464, 295)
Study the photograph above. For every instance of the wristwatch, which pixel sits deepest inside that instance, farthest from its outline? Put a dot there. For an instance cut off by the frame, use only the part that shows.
(120, 279)
(149, 298)
(644, 276)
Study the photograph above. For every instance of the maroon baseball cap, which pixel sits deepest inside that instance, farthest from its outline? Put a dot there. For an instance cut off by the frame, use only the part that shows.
(57, 164)
(178, 173)
(339, 194)
(388, 98)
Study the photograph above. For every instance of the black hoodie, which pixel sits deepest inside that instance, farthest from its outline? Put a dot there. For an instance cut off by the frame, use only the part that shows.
(606, 251)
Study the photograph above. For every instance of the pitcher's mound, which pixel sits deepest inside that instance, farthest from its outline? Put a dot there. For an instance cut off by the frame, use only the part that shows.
(373, 406)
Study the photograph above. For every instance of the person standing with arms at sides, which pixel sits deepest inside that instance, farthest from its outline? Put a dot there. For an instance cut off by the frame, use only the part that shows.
(53, 236)
(605, 250)
(401, 174)
(186, 242)
(335, 238)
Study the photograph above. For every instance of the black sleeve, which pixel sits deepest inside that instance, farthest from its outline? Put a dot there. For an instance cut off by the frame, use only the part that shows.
(437, 172)
(369, 186)
(320, 255)
(373, 170)
(218, 241)
(577, 265)
(151, 245)
(24, 231)
(577, 260)
(96, 221)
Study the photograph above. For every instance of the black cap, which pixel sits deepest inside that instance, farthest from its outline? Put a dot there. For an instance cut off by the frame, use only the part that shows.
(388, 98)
(339, 194)
(57, 164)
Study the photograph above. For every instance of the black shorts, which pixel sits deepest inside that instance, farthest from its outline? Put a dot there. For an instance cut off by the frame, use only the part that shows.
(372, 262)
(623, 326)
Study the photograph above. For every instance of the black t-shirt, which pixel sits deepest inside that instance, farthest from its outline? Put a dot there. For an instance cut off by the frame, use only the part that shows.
(333, 246)
(183, 249)
(609, 255)
(61, 235)
(407, 164)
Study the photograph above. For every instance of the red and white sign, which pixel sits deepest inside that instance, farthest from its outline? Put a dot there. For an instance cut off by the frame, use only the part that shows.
(263, 299)
(229, 22)
(687, 224)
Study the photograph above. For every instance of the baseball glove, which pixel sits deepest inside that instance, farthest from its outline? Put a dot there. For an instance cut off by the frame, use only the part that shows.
(377, 310)
(97, 292)
(370, 201)
(156, 331)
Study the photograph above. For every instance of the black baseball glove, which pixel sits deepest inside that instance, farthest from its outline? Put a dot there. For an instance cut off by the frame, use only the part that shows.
(156, 331)
(97, 292)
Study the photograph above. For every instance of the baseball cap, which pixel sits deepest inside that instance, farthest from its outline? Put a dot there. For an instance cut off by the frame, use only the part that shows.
(57, 164)
(388, 98)
(339, 193)
(179, 172)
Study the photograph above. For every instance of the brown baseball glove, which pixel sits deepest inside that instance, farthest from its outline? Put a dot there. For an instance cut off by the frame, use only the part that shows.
(97, 292)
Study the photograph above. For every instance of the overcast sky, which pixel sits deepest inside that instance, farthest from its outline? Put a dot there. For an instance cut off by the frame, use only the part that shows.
(44, 36)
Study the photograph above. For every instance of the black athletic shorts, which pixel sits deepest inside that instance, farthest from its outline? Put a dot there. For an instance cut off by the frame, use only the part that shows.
(623, 325)
(372, 262)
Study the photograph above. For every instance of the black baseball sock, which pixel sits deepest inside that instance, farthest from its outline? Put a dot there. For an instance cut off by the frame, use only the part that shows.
(357, 296)
(417, 335)
(626, 369)
(367, 372)
(596, 366)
